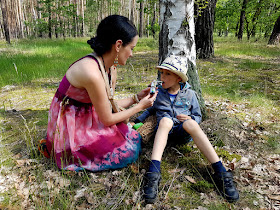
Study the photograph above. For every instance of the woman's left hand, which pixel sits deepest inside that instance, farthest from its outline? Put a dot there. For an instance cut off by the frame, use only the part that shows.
(143, 93)
(183, 117)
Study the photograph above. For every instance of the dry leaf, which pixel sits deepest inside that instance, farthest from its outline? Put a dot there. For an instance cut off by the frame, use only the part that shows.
(190, 179)
(274, 197)
(177, 170)
(134, 168)
(231, 166)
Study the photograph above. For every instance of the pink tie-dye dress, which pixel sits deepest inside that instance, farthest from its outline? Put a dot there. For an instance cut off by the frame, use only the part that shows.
(78, 140)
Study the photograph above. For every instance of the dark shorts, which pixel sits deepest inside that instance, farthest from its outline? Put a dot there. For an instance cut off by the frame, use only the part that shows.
(177, 135)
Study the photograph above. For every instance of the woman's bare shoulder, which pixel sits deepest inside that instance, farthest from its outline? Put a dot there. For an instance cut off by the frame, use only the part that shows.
(83, 72)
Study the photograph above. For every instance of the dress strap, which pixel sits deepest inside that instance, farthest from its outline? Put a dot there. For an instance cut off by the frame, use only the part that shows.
(109, 89)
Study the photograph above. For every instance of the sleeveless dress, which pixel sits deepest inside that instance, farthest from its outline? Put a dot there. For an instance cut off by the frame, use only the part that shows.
(77, 139)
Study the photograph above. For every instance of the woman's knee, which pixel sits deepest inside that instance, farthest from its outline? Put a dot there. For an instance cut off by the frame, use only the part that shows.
(190, 126)
(166, 122)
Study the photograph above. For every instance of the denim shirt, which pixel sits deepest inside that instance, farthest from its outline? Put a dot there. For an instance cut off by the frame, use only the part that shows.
(185, 103)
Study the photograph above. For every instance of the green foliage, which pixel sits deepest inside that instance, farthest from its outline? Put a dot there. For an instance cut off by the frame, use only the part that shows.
(153, 28)
(260, 17)
(201, 5)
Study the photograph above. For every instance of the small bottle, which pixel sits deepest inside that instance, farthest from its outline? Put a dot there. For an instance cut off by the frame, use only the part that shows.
(153, 87)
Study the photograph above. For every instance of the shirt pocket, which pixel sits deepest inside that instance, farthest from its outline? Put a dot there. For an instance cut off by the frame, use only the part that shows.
(182, 106)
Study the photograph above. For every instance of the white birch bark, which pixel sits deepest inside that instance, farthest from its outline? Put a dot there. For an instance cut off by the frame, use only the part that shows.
(177, 25)
(177, 38)
(21, 17)
(129, 10)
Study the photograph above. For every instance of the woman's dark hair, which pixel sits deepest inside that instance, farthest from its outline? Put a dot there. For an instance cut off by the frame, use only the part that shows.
(111, 29)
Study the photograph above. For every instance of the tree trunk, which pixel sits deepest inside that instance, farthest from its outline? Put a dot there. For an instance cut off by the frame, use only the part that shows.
(141, 19)
(154, 21)
(5, 21)
(177, 37)
(49, 20)
(275, 35)
(242, 19)
(252, 31)
(204, 28)
(256, 17)
(131, 14)
(83, 17)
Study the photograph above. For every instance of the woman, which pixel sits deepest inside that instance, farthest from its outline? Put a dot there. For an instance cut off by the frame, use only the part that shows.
(83, 132)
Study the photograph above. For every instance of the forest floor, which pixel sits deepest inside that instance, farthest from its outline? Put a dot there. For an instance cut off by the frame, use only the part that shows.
(246, 144)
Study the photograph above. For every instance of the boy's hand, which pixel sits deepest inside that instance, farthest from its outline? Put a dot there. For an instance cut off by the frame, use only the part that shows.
(183, 117)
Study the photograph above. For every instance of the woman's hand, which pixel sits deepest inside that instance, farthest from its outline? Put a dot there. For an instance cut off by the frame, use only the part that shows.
(183, 117)
(143, 93)
(148, 100)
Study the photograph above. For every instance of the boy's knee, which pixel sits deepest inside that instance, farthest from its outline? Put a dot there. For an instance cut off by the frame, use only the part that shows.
(190, 126)
(166, 122)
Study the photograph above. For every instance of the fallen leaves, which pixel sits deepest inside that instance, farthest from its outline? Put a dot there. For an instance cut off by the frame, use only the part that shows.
(257, 172)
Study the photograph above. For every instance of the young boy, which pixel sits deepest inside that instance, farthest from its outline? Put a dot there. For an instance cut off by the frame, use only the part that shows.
(178, 115)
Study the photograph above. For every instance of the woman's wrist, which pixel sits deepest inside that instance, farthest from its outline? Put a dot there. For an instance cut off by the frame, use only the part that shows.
(135, 99)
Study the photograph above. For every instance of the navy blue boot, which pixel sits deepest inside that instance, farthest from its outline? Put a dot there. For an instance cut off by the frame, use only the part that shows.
(151, 186)
(225, 185)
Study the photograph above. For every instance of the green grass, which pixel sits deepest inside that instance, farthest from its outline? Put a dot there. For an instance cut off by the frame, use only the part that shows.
(27, 60)
(24, 60)
(241, 69)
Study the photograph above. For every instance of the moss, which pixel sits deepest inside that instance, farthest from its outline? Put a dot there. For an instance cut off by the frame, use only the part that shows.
(202, 186)
(273, 142)
(184, 197)
(226, 155)
(185, 148)
(185, 23)
(219, 143)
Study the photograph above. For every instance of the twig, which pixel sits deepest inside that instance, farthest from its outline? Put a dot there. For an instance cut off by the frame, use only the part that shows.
(171, 183)
(122, 197)
(29, 132)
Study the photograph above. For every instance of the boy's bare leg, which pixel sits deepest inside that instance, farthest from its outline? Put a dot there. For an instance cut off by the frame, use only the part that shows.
(201, 140)
(222, 179)
(160, 141)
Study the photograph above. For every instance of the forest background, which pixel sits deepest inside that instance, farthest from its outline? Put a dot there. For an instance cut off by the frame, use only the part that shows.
(239, 77)
(78, 18)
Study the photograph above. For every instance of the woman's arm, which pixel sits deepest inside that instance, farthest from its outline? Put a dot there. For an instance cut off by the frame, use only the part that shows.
(86, 74)
(126, 102)
(131, 100)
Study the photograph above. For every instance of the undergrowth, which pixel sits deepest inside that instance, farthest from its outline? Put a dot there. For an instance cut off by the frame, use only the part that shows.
(243, 73)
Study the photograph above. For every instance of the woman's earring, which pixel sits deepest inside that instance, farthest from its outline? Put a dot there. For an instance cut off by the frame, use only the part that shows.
(116, 61)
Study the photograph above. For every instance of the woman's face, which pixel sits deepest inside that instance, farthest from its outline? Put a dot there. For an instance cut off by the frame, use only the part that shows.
(126, 52)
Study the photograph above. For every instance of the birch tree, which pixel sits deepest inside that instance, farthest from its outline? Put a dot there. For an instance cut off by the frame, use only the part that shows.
(177, 37)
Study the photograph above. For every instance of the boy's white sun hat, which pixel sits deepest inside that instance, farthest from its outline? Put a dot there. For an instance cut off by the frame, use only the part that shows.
(177, 65)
